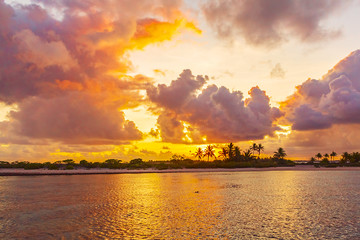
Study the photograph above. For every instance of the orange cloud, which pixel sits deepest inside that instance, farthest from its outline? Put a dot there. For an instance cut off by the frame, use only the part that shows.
(333, 99)
(194, 114)
(72, 73)
(150, 31)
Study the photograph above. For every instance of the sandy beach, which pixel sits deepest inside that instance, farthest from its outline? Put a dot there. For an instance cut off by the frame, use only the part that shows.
(35, 172)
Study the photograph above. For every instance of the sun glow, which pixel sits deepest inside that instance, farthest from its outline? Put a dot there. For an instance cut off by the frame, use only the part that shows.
(187, 138)
(285, 130)
(153, 31)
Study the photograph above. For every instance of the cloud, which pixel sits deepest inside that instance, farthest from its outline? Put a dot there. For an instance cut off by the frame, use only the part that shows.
(277, 71)
(178, 92)
(64, 65)
(334, 99)
(77, 118)
(269, 23)
(191, 113)
(338, 138)
(34, 50)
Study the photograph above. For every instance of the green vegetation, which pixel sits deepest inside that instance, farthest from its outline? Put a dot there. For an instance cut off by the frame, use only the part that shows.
(229, 156)
(346, 159)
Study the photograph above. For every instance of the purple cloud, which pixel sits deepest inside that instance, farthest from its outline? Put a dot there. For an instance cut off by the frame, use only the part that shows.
(269, 23)
(334, 99)
(62, 72)
(217, 113)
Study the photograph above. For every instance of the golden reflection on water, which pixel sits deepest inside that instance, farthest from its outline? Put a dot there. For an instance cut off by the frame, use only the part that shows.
(166, 204)
(285, 204)
(244, 205)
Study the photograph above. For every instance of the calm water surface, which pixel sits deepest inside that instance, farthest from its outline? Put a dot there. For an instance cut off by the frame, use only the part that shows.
(243, 205)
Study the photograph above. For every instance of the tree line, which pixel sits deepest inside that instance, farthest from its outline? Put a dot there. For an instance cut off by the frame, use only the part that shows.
(346, 159)
(230, 156)
(234, 153)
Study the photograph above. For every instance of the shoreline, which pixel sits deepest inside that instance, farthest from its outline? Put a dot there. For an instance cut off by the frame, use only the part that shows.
(45, 172)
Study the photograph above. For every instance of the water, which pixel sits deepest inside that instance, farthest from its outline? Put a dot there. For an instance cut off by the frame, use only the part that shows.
(244, 205)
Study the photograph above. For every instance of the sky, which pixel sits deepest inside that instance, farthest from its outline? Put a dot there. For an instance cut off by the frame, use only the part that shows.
(91, 79)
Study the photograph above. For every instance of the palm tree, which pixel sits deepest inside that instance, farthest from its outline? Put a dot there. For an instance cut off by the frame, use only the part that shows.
(223, 153)
(280, 153)
(237, 153)
(248, 155)
(345, 157)
(254, 148)
(231, 150)
(333, 155)
(326, 155)
(312, 160)
(209, 151)
(199, 153)
(355, 157)
(318, 156)
(260, 148)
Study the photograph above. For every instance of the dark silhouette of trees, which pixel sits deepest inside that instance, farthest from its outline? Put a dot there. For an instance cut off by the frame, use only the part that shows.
(136, 161)
(223, 153)
(237, 154)
(312, 161)
(355, 157)
(345, 157)
(68, 161)
(318, 156)
(280, 153)
(209, 152)
(325, 161)
(83, 162)
(248, 155)
(199, 153)
(254, 148)
(239, 159)
(113, 163)
(231, 150)
(177, 157)
(260, 148)
(333, 155)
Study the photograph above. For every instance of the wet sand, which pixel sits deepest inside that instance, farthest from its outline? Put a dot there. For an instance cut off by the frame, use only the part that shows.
(36, 172)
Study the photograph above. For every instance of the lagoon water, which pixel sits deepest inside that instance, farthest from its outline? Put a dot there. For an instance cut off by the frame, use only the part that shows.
(242, 205)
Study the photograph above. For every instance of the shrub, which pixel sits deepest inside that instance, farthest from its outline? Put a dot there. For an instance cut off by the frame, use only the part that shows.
(33, 166)
(53, 167)
(69, 167)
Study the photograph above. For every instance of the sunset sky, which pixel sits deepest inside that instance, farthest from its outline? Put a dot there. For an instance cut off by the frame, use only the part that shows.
(99, 79)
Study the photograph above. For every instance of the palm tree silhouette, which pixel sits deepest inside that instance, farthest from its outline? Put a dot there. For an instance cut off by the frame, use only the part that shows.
(199, 153)
(231, 150)
(254, 148)
(326, 155)
(248, 155)
(260, 148)
(280, 153)
(312, 160)
(333, 155)
(318, 156)
(223, 153)
(345, 157)
(237, 153)
(209, 151)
